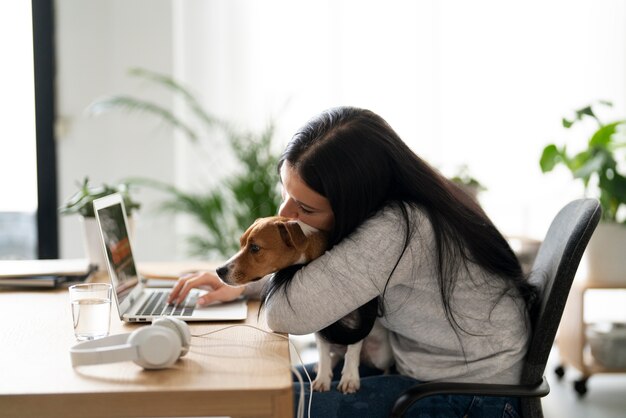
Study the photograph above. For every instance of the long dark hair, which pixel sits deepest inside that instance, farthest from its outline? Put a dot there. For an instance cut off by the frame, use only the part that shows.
(356, 160)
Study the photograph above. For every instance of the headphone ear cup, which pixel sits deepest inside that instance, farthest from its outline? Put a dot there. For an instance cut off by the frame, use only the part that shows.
(157, 347)
(181, 329)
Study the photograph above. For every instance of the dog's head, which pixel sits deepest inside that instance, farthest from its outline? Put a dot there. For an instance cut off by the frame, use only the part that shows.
(269, 245)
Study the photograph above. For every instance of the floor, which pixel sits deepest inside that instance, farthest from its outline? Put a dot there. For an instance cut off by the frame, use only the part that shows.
(605, 397)
(606, 393)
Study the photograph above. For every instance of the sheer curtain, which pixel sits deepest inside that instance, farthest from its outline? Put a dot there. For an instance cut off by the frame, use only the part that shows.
(481, 83)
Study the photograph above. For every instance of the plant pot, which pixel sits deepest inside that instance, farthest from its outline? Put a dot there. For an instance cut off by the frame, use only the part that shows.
(606, 261)
(92, 241)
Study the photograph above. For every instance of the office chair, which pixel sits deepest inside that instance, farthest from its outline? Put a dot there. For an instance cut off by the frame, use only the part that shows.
(553, 272)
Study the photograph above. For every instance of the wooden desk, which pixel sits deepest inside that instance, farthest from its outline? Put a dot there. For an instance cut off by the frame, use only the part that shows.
(238, 372)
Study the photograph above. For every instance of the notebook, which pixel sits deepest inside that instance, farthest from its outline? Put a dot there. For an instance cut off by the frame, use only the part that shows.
(135, 301)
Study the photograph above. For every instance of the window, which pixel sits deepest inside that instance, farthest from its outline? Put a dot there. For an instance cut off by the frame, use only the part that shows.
(27, 158)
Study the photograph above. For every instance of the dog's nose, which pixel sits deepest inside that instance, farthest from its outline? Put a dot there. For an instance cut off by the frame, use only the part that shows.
(222, 272)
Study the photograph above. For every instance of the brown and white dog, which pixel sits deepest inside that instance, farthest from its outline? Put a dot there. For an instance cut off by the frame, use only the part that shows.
(274, 243)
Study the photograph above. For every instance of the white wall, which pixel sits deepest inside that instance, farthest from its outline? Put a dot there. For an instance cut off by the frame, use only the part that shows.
(509, 72)
(97, 42)
(483, 83)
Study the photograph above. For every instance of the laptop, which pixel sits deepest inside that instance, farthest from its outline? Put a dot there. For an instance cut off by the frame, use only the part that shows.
(135, 301)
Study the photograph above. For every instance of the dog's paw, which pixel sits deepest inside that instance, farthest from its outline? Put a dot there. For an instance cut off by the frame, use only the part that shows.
(349, 384)
(321, 385)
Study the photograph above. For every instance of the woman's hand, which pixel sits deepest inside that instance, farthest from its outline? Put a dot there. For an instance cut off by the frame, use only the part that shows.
(218, 291)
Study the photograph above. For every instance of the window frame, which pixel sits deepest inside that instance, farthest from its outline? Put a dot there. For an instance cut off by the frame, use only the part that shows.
(44, 70)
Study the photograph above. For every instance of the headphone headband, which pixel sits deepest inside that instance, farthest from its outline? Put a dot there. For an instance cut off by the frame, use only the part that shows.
(154, 347)
(105, 350)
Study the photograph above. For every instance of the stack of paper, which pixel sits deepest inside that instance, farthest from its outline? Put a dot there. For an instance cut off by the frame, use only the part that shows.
(43, 273)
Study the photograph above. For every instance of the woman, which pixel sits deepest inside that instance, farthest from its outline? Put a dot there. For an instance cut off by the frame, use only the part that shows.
(404, 241)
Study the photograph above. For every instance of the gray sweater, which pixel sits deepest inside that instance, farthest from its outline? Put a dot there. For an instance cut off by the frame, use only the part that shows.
(424, 344)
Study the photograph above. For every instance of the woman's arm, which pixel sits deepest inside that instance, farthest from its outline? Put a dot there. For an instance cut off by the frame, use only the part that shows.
(344, 278)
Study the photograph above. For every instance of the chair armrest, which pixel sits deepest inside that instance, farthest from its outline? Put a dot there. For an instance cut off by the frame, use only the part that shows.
(424, 390)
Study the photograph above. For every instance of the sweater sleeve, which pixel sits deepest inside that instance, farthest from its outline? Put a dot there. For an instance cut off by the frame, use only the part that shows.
(350, 274)
(253, 290)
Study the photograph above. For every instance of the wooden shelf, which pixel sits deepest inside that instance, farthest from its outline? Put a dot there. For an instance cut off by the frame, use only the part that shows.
(572, 340)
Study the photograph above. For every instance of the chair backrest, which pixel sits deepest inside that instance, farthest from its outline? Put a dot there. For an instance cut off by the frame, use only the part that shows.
(553, 272)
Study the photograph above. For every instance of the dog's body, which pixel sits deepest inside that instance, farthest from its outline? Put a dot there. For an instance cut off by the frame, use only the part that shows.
(274, 243)
(374, 351)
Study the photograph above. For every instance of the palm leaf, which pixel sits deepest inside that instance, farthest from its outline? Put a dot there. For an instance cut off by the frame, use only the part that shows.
(171, 84)
(228, 209)
(129, 103)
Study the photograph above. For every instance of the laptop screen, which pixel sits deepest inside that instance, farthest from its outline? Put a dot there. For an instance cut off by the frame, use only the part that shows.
(119, 254)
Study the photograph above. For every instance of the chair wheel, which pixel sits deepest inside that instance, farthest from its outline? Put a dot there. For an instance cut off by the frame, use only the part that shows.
(580, 386)
(560, 372)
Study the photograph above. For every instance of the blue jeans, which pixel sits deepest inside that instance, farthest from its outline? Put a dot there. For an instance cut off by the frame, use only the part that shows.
(378, 393)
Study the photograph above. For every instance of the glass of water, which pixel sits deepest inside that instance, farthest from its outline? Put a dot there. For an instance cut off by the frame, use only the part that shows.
(91, 310)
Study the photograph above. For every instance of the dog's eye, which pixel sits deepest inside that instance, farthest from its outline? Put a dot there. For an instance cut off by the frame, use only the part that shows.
(254, 248)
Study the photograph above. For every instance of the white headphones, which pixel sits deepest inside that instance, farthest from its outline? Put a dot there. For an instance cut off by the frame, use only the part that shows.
(155, 347)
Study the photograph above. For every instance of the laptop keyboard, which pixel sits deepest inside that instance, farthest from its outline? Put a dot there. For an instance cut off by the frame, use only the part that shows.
(156, 305)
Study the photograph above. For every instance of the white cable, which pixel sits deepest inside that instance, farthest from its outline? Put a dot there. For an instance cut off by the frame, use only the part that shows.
(300, 411)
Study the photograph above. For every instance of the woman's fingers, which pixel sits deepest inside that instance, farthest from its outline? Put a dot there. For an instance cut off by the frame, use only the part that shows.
(224, 293)
(189, 281)
(219, 291)
(175, 290)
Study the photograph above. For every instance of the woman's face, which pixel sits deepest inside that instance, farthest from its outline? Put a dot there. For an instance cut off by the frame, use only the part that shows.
(303, 203)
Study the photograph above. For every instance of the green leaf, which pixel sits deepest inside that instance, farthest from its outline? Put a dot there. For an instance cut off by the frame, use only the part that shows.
(177, 88)
(580, 113)
(550, 157)
(613, 195)
(587, 166)
(605, 103)
(603, 136)
(81, 202)
(129, 103)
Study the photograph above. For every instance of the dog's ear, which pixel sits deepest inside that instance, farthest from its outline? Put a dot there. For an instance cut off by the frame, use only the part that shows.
(244, 238)
(292, 234)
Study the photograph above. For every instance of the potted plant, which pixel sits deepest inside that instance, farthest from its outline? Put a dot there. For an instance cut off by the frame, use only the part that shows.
(599, 167)
(81, 203)
(467, 182)
(224, 211)
(525, 248)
